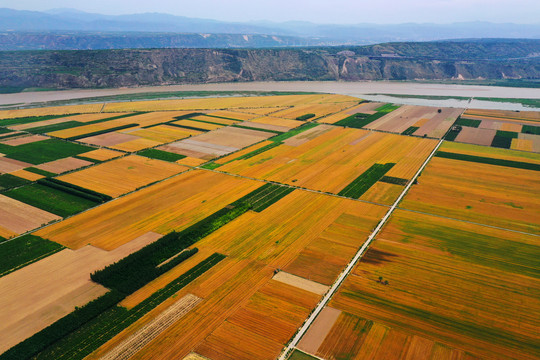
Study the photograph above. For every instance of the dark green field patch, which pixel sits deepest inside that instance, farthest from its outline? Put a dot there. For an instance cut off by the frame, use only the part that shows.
(55, 127)
(265, 196)
(40, 152)
(394, 180)
(504, 142)
(188, 127)
(52, 200)
(453, 133)
(468, 122)
(410, 130)
(293, 132)
(161, 155)
(5, 131)
(8, 181)
(30, 119)
(508, 134)
(363, 182)
(40, 172)
(488, 160)
(530, 129)
(305, 117)
(210, 166)
(299, 355)
(24, 250)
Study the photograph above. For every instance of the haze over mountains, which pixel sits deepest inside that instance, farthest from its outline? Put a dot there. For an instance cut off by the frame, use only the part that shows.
(72, 29)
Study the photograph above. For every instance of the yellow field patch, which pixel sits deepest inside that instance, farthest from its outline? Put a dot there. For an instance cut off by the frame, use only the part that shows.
(234, 115)
(522, 144)
(318, 109)
(279, 122)
(103, 154)
(170, 205)
(136, 145)
(190, 161)
(216, 120)
(164, 133)
(121, 176)
(55, 110)
(27, 175)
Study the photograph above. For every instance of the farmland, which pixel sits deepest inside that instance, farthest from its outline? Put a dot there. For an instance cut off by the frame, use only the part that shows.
(212, 228)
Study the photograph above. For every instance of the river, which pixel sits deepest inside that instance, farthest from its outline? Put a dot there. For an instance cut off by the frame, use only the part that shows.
(357, 89)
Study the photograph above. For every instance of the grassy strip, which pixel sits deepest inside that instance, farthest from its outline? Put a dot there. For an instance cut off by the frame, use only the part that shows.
(210, 166)
(52, 200)
(257, 129)
(40, 172)
(294, 132)
(259, 151)
(8, 181)
(410, 130)
(468, 122)
(55, 127)
(360, 120)
(75, 190)
(115, 117)
(11, 135)
(368, 178)
(394, 180)
(30, 119)
(487, 160)
(503, 142)
(40, 152)
(5, 131)
(161, 155)
(206, 121)
(104, 131)
(24, 250)
(95, 161)
(305, 117)
(530, 129)
(96, 332)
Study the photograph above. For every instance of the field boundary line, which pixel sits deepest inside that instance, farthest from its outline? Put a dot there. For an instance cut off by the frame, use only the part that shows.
(333, 289)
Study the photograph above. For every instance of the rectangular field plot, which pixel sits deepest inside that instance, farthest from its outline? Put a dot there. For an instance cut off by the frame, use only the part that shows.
(117, 177)
(40, 152)
(317, 110)
(247, 311)
(170, 205)
(422, 120)
(17, 217)
(496, 195)
(466, 288)
(216, 143)
(330, 158)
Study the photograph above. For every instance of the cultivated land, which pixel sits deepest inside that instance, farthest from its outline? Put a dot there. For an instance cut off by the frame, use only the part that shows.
(212, 228)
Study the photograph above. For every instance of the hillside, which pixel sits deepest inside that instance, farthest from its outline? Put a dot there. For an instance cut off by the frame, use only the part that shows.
(394, 61)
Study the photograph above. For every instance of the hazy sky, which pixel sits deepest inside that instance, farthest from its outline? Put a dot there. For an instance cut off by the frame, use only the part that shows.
(320, 11)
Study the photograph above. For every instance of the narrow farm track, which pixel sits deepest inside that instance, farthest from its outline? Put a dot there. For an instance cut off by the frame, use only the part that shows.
(353, 262)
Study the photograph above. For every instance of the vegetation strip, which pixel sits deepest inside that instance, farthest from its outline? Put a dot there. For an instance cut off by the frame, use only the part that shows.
(55, 127)
(257, 129)
(30, 119)
(394, 180)
(8, 181)
(294, 132)
(305, 117)
(487, 160)
(188, 127)
(40, 171)
(75, 190)
(363, 182)
(468, 122)
(40, 152)
(410, 130)
(23, 251)
(161, 155)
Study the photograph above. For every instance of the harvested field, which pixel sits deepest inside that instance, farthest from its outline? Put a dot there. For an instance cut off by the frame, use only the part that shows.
(466, 286)
(165, 133)
(57, 110)
(344, 153)
(291, 124)
(108, 139)
(103, 154)
(160, 323)
(487, 194)
(170, 205)
(476, 136)
(26, 139)
(318, 331)
(382, 193)
(136, 145)
(217, 143)
(45, 291)
(17, 217)
(39, 123)
(300, 283)
(27, 175)
(63, 165)
(9, 165)
(120, 176)
(534, 141)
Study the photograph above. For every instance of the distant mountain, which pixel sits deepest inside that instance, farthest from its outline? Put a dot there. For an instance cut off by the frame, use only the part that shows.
(78, 26)
(443, 60)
